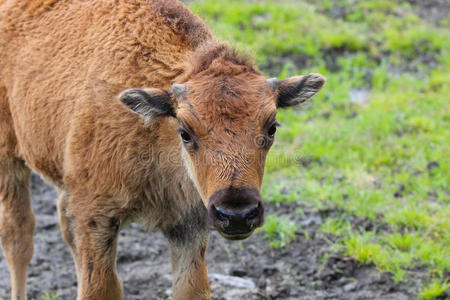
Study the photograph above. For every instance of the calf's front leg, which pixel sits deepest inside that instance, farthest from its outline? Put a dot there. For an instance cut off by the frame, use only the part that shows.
(93, 241)
(188, 242)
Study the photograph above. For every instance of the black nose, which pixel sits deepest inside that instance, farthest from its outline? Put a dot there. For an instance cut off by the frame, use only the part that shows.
(237, 222)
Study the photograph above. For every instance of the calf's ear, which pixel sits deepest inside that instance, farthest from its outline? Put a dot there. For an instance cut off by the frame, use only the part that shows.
(149, 103)
(298, 89)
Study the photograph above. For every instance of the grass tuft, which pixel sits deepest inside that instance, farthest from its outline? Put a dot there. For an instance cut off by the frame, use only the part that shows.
(50, 296)
(435, 289)
(279, 230)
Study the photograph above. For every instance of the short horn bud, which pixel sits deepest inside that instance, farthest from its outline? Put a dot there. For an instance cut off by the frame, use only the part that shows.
(178, 89)
(273, 82)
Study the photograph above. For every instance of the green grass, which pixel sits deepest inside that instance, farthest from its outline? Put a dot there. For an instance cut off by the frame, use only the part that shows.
(335, 226)
(434, 290)
(279, 230)
(383, 157)
(49, 296)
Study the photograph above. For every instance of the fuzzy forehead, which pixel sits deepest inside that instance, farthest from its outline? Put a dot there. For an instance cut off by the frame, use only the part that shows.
(235, 99)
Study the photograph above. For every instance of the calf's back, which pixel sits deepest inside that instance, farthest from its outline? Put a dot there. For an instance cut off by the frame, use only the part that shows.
(62, 64)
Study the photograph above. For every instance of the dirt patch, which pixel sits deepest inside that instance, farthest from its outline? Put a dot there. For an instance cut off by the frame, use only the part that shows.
(434, 11)
(250, 269)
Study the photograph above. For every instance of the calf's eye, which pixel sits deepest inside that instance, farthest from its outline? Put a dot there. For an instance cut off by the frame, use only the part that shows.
(185, 136)
(272, 130)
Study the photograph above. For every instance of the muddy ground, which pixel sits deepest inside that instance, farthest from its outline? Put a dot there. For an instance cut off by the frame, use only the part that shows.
(238, 270)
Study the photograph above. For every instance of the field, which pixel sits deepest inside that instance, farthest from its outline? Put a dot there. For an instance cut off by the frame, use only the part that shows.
(357, 183)
(372, 150)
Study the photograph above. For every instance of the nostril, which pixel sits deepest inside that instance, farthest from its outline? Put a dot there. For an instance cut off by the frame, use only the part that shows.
(252, 213)
(221, 216)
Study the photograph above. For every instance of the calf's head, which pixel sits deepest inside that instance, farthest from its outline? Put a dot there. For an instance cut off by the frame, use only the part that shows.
(227, 124)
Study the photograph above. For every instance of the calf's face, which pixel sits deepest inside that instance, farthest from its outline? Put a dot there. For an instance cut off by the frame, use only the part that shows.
(227, 125)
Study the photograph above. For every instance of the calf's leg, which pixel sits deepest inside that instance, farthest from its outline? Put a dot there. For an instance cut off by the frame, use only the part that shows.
(17, 223)
(188, 242)
(91, 233)
(67, 226)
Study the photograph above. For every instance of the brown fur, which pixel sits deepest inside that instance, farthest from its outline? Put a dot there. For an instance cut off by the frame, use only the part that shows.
(62, 65)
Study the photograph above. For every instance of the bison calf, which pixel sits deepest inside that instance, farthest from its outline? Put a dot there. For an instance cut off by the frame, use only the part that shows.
(135, 113)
